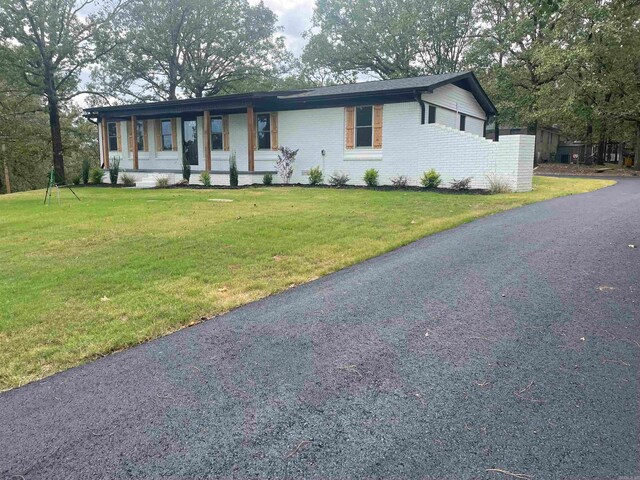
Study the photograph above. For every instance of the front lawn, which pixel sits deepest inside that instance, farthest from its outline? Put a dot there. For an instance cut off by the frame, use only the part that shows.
(123, 266)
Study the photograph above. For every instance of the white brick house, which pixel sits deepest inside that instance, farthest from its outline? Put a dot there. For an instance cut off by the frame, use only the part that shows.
(398, 127)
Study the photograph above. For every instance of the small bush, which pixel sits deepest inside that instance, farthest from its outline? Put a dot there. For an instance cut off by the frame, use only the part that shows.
(400, 181)
(186, 167)
(86, 167)
(233, 170)
(162, 182)
(114, 170)
(371, 177)
(128, 180)
(498, 184)
(430, 179)
(205, 178)
(267, 179)
(96, 175)
(284, 164)
(315, 176)
(183, 182)
(339, 179)
(76, 180)
(461, 185)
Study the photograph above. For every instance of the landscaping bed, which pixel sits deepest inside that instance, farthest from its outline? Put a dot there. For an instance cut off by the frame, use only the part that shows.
(606, 170)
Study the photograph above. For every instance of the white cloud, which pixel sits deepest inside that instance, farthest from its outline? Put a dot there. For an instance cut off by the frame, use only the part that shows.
(295, 17)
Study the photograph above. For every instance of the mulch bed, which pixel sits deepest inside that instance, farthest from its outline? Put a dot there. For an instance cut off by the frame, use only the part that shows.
(607, 170)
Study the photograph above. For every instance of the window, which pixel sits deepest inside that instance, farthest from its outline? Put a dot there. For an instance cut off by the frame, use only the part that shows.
(463, 122)
(216, 133)
(364, 126)
(140, 135)
(432, 114)
(112, 133)
(167, 135)
(263, 121)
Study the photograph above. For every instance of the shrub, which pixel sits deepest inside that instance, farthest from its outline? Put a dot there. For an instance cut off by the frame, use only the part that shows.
(430, 179)
(114, 170)
(86, 167)
(183, 182)
(186, 167)
(498, 184)
(339, 179)
(400, 181)
(128, 180)
(461, 185)
(162, 182)
(371, 177)
(96, 175)
(205, 178)
(76, 180)
(315, 176)
(267, 179)
(233, 170)
(284, 164)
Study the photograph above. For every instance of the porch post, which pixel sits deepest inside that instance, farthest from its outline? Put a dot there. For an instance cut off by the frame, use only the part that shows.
(251, 138)
(207, 140)
(105, 143)
(134, 140)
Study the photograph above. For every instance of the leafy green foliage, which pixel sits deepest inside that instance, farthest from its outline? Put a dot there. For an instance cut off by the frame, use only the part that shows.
(371, 177)
(96, 175)
(76, 180)
(430, 179)
(267, 179)
(233, 170)
(315, 176)
(284, 164)
(114, 170)
(205, 179)
(86, 167)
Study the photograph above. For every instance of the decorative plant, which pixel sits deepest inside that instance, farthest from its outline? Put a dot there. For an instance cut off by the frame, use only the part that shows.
(205, 178)
(114, 170)
(76, 180)
(128, 180)
(162, 182)
(400, 181)
(430, 179)
(86, 167)
(96, 175)
(233, 170)
(267, 179)
(284, 164)
(461, 185)
(315, 176)
(371, 177)
(186, 167)
(339, 179)
(498, 184)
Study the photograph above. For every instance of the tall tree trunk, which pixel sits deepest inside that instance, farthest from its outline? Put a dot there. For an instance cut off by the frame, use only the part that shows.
(7, 179)
(56, 138)
(636, 153)
(620, 154)
(600, 155)
(588, 152)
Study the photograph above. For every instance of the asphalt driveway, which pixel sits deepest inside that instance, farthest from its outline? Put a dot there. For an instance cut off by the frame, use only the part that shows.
(508, 344)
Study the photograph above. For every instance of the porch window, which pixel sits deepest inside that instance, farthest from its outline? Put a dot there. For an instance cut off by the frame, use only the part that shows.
(463, 122)
(167, 135)
(217, 133)
(112, 133)
(140, 135)
(364, 126)
(263, 123)
(432, 114)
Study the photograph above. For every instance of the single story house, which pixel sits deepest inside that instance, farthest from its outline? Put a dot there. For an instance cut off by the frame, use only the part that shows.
(399, 127)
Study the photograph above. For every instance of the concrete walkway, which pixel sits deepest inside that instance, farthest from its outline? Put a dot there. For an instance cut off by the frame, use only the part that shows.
(510, 343)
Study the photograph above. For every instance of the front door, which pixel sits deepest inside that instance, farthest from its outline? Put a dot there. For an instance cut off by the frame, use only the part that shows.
(190, 141)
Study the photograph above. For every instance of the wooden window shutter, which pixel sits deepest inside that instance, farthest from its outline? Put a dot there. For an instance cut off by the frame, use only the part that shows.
(274, 131)
(129, 136)
(349, 123)
(157, 128)
(174, 135)
(119, 134)
(377, 126)
(145, 136)
(225, 132)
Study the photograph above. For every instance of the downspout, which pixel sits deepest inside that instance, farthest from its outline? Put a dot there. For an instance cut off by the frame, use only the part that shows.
(418, 96)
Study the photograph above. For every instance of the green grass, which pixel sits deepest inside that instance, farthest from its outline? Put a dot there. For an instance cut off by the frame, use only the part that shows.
(123, 266)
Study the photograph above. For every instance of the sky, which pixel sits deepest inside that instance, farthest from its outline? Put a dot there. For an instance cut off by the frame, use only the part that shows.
(295, 17)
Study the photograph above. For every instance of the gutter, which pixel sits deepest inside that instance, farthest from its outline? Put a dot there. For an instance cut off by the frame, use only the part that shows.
(418, 96)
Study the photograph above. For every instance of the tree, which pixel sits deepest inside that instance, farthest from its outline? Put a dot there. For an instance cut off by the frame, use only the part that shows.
(193, 48)
(390, 38)
(49, 43)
